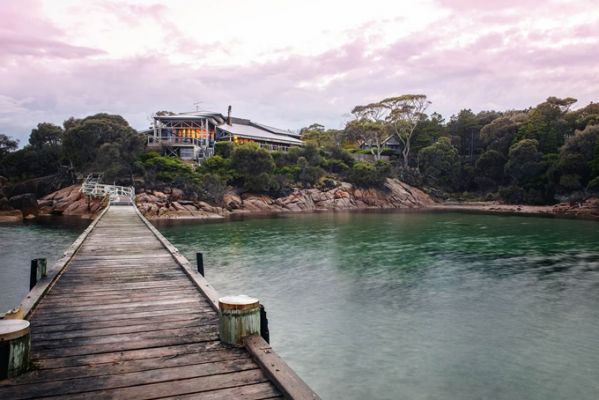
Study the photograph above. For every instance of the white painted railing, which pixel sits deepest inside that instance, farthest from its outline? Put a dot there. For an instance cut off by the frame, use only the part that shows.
(92, 187)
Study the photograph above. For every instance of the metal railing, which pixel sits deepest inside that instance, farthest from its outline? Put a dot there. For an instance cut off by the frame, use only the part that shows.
(92, 187)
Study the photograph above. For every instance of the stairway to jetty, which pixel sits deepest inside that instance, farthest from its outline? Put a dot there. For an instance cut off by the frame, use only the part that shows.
(93, 187)
(123, 315)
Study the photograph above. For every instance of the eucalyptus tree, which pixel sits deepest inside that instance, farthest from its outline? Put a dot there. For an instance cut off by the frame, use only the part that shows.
(368, 127)
(7, 144)
(402, 115)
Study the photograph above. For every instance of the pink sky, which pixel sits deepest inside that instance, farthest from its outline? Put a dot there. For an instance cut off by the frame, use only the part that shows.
(288, 63)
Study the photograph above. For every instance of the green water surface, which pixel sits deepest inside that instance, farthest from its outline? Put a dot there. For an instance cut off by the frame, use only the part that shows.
(418, 305)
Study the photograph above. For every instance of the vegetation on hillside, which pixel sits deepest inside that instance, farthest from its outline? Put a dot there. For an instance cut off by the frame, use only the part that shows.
(537, 156)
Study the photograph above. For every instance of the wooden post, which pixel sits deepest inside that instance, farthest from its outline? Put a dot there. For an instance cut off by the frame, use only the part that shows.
(200, 262)
(38, 271)
(15, 344)
(264, 332)
(239, 318)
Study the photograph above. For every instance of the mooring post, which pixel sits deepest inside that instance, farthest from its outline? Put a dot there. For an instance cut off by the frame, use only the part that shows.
(264, 332)
(200, 262)
(239, 318)
(15, 345)
(38, 271)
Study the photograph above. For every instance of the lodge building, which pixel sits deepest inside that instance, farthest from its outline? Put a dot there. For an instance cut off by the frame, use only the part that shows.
(192, 136)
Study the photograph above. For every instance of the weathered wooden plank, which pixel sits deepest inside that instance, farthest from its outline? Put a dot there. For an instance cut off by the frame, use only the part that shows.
(127, 366)
(119, 295)
(122, 346)
(56, 312)
(117, 330)
(103, 317)
(154, 319)
(179, 387)
(107, 382)
(172, 350)
(203, 330)
(202, 284)
(119, 300)
(258, 391)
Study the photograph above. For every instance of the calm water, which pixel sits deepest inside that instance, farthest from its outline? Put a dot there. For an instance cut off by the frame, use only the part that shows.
(419, 306)
(19, 243)
(398, 306)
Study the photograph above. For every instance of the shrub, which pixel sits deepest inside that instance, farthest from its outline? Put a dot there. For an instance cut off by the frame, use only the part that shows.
(365, 174)
(335, 166)
(223, 149)
(308, 174)
(219, 166)
(254, 166)
(212, 187)
(512, 194)
(164, 168)
(339, 154)
(593, 186)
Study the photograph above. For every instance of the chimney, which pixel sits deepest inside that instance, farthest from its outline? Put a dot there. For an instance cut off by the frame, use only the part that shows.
(229, 116)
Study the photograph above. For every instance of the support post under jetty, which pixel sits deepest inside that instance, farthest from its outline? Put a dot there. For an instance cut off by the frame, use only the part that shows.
(124, 315)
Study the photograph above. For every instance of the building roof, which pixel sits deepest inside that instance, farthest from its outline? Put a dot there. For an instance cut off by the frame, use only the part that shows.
(251, 131)
(239, 127)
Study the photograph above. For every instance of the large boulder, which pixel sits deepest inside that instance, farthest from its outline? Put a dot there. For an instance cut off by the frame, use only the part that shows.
(177, 194)
(26, 202)
(11, 216)
(232, 201)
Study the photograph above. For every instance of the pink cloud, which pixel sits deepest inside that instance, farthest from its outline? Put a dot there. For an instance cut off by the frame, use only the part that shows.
(23, 33)
(500, 64)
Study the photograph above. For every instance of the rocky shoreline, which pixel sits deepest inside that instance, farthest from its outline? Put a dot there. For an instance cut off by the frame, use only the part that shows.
(170, 204)
(588, 209)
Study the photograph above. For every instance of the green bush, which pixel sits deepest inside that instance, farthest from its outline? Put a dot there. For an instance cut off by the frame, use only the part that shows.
(164, 168)
(219, 166)
(223, 149)
(365, 174)
(254, 166)
(512, 194)
(212, 187)
(339, 154)
(308, 174)
(593, 186)
(335, 166)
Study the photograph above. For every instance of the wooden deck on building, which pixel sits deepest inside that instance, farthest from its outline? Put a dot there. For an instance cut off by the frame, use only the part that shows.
(125, 321)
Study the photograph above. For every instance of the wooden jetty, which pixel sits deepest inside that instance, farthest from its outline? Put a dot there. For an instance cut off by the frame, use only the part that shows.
(123, 315)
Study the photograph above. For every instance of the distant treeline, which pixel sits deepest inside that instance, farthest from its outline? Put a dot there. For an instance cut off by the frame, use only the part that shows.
(537, 156)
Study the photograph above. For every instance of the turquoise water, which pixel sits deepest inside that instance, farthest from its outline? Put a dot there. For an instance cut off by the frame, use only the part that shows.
(20, 243)
(418, 305)
(396, 306)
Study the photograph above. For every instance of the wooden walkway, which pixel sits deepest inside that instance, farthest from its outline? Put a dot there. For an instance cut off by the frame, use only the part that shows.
(127, 318)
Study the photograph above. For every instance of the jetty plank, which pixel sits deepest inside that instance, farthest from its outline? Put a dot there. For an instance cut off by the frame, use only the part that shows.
(123, 315)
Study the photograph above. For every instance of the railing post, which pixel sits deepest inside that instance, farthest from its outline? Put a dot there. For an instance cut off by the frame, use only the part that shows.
(200, 262)
(264, 332)
(37, 271)
(239, 318)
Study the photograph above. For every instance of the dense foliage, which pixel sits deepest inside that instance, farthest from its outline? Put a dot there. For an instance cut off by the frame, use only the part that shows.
(538, 156)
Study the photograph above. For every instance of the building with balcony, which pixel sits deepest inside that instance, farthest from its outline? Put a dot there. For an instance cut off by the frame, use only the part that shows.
(192, 136)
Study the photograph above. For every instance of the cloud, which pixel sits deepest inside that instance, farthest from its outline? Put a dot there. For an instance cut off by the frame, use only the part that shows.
(22, 33)
(474, 57)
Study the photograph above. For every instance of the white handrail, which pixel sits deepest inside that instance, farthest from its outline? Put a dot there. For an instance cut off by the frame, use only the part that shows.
(92, 187)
